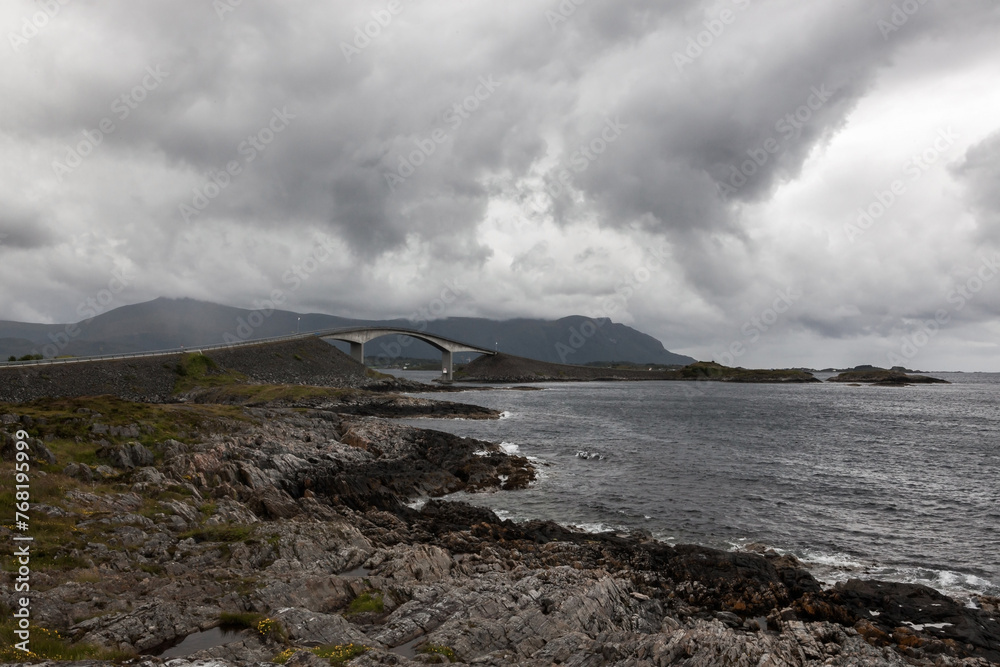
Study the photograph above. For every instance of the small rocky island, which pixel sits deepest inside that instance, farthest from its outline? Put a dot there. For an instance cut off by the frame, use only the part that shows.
(880, 376)
(505, 368)
(254, 523)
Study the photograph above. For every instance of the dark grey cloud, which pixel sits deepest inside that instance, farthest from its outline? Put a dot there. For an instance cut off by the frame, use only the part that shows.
(23, 230)
(573, 130)
(980, 169)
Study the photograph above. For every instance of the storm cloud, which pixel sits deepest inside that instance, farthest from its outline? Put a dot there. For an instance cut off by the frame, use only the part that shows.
(701, 157)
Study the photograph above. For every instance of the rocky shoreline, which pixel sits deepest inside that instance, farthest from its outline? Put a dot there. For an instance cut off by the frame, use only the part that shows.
(297, 520)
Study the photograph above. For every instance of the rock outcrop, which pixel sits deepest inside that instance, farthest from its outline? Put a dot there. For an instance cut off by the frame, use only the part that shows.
(297, 520)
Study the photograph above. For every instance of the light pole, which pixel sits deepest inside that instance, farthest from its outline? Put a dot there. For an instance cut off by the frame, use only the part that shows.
(298, 325)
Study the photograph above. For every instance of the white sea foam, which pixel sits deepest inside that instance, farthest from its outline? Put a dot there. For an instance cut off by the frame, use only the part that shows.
(510, 448)
(505, 414)
(595, 527)
(417, 504)
(920, 626)
(834, 568)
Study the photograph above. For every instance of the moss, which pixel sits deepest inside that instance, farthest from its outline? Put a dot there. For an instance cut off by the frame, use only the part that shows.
(370, 602)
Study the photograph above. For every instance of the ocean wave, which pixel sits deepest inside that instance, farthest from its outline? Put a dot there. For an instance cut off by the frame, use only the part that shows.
(510, 448)
(831, 569)
(417, 504)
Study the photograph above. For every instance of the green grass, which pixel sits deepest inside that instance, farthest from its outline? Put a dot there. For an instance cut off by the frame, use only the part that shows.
(338, 655)
(270, 629)
(62, 424)
(46, 644)
(366, 603)
(263, 394)
(197, 370)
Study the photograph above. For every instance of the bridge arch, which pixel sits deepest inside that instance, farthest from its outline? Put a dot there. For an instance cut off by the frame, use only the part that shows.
(358, 336)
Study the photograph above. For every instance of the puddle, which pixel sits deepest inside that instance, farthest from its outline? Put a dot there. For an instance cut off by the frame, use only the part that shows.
(199, 641)
(356, 572)
(407, 650)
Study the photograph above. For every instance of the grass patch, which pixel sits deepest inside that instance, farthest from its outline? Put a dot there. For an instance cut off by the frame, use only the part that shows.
(152, 568)
(55, 538)
(337, 655)
(61, 423)
(370, 602)
(270, 629)
(437, 650)
(196, 370)
(262, 394)
(49, 645)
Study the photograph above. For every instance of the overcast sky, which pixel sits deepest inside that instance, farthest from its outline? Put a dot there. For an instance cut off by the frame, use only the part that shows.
(694, 169)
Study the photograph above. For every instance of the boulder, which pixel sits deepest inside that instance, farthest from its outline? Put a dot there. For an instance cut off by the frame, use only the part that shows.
(128, 456)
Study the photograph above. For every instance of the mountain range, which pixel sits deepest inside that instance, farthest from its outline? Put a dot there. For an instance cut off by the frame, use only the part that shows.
(171, 323)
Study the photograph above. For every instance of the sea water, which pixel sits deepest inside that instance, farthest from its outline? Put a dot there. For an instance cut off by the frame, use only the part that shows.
(897, 483)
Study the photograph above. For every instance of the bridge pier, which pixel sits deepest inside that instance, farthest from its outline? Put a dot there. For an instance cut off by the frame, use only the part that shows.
(446, 366)
(358, 352)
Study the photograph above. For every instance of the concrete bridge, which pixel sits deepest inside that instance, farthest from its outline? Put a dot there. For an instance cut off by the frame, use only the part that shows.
(358, 336)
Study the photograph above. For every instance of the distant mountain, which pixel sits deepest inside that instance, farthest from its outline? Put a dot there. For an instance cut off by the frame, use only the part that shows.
(169, 323)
